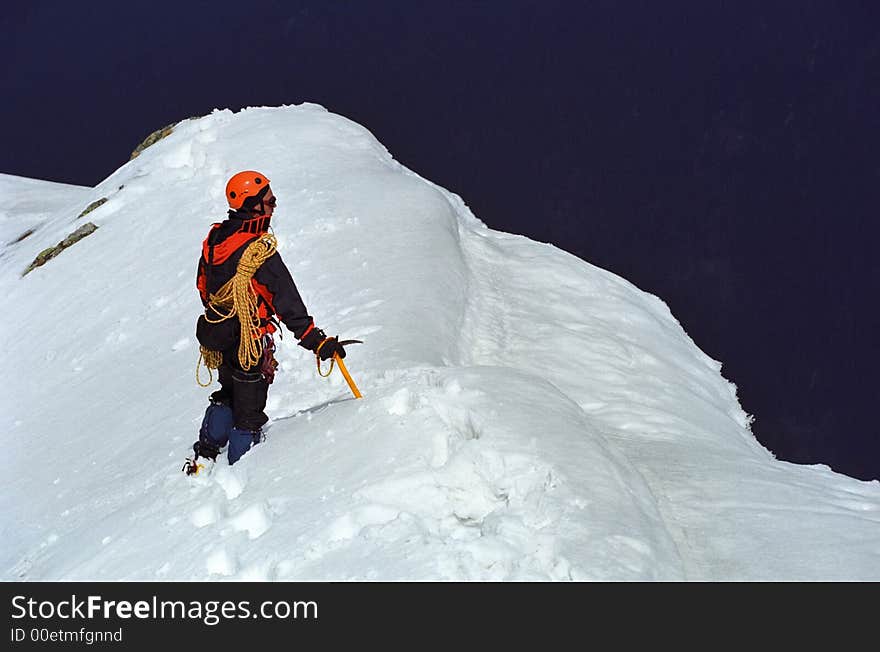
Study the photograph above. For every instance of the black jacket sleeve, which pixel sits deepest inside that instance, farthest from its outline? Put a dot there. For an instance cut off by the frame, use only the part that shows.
(202, 282)
(289, 306)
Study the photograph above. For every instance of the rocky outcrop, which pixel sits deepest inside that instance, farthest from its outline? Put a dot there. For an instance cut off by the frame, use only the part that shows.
(48, 254)
(92, 206)
(23, 236)
(152, 139)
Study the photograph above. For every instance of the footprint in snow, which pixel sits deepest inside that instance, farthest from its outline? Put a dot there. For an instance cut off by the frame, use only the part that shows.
(230, 480)
(205, 515)
(254, 519)
(220, 561)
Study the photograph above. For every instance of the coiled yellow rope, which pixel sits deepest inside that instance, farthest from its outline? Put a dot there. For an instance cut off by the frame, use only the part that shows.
(238, 298)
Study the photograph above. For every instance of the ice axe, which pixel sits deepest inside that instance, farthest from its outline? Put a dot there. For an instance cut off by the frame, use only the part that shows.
(337, 360)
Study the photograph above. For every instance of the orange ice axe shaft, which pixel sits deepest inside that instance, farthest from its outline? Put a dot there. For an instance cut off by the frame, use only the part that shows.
(348, 379)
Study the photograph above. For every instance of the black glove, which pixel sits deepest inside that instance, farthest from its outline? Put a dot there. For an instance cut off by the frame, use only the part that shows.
(330, 347)
(317, 342)
(312, 339)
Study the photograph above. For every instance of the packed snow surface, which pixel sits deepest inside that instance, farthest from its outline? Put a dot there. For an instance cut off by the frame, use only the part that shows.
(526, 415)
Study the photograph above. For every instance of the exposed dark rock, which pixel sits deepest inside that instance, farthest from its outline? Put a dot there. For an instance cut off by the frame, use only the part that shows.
(152, 139)
(92, 207)
(48, 254)
(155, 137)
(23, 236)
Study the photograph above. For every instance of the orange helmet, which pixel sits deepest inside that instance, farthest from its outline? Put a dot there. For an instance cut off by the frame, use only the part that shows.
(243, 185)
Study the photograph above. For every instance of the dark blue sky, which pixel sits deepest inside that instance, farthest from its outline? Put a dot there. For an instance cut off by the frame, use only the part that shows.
(724, 156)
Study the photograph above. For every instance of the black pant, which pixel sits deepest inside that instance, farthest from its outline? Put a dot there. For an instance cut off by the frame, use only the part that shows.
(244, 391)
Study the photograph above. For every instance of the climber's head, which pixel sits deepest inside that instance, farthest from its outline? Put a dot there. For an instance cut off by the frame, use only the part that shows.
(249, 191)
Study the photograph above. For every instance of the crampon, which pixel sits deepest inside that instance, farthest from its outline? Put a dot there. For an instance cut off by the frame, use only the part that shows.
(191, 466)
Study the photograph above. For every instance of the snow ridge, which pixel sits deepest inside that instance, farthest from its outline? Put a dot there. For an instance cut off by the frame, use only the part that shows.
(527, 416)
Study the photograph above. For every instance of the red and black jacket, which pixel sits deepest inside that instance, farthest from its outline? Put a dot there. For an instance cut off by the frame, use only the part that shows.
(276, 291)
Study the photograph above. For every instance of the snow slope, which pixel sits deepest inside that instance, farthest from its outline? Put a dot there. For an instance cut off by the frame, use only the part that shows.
(526, 415)
(28, 205)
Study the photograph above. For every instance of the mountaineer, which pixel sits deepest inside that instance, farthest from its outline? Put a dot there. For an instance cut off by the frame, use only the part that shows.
(244, 285)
